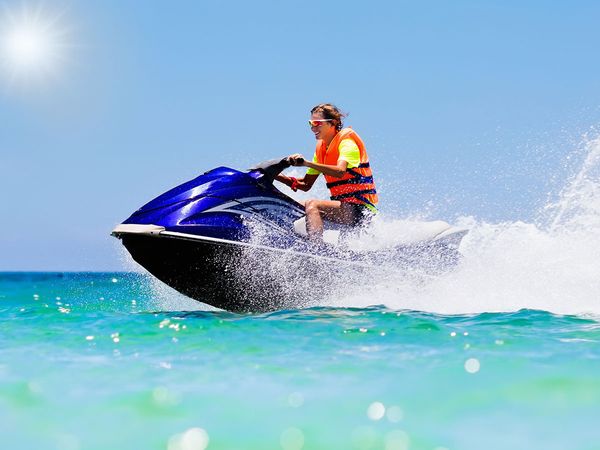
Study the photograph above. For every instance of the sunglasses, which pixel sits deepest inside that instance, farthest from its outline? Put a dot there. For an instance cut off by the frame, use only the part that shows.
(318, 122)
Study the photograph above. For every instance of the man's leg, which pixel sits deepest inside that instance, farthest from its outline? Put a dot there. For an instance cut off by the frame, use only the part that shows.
(333, 210)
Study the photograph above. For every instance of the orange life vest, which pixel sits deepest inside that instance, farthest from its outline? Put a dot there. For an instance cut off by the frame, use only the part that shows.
(356, 186)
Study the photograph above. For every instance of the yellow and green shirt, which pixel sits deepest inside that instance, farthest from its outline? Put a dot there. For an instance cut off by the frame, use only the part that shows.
(349, 152)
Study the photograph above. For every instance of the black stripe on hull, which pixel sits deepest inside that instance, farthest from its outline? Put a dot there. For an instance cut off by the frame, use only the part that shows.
(234, 277)
(244, 278)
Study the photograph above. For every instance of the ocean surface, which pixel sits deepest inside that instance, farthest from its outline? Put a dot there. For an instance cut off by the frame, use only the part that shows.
(503, 352)
(94, 361)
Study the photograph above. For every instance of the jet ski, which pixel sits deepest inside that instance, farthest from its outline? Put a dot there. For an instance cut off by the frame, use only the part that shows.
(232, 240)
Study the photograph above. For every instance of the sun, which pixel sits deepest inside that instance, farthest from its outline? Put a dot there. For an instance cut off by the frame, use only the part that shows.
(33, 44)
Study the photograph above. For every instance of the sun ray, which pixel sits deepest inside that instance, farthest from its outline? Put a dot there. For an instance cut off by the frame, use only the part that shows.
(33, 44)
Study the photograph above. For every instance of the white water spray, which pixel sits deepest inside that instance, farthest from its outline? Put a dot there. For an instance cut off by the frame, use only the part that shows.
(554, 266)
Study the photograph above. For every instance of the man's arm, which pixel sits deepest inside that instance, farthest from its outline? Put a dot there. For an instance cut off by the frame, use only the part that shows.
(304, 183)
(336, 171)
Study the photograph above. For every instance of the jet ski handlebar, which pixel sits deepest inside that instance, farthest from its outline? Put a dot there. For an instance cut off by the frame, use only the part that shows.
(274, 167)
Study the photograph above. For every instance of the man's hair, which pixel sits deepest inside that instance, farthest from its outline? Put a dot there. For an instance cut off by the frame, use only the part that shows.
(331, 112)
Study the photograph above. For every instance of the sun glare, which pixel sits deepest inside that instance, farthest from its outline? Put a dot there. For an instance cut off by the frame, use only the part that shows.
(32, 44)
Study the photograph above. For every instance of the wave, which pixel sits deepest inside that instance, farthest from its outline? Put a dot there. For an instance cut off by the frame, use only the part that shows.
(550, 265)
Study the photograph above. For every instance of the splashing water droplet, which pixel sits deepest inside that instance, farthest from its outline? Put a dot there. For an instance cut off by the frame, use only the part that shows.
(472, 365)
(292, 439)
(376, 411)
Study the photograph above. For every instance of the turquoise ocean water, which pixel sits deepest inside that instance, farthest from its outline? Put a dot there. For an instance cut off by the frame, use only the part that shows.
(503, 352)
(92, 361)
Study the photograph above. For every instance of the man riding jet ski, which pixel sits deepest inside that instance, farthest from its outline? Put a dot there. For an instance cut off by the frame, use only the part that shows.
(232, 240)
(342, 158)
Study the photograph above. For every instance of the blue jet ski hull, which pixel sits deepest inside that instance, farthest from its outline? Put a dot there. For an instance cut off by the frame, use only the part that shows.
(227, 239)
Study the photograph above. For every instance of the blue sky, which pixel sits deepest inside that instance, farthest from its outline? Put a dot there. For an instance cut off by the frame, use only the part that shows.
(467, 107)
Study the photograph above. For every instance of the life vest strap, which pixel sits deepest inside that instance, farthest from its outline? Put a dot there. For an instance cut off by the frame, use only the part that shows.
(356, 180)
(367, 202)
(358, 195)
(355, 173)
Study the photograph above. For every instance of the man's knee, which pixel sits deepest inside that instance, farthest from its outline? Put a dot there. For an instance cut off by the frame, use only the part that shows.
(311, 206)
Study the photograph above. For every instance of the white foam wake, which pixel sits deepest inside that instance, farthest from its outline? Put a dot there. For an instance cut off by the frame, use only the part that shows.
(553, 265)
